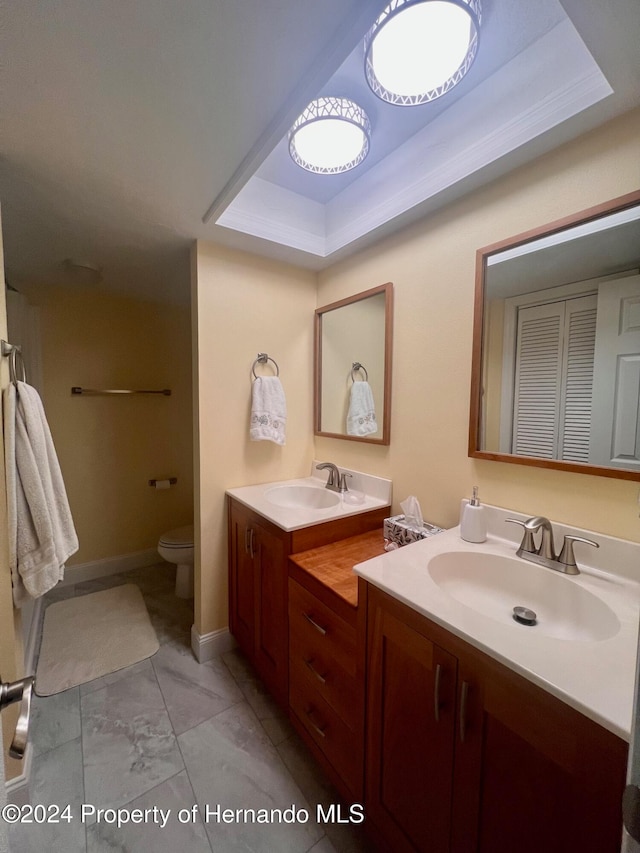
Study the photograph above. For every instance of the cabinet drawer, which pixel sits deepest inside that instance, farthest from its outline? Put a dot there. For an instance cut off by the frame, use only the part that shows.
(332, 736)
(329, 680)
(321, 631)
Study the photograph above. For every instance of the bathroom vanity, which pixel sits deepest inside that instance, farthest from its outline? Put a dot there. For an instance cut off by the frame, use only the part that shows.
(420, 696)
(327, 633)
(267, 523)
(491, 757)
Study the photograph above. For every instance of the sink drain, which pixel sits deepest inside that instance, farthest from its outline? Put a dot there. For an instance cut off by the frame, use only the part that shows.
(524, 616)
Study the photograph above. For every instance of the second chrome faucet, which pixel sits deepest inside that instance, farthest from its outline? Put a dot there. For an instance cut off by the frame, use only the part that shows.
(336, 481)
(544, 554)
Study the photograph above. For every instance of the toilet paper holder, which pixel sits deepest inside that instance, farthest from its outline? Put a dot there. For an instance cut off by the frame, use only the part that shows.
(156, 483)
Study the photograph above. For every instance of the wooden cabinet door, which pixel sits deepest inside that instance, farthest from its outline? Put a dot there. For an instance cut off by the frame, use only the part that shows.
(410, 731)
(241, 579)
(271, 619)
(258, 597)
(531, 774)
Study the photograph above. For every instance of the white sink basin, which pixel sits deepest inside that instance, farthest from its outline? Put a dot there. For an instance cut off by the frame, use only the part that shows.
(493, 585)
(302, 497)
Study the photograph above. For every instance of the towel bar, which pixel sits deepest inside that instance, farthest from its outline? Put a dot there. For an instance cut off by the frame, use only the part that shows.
(94, 391)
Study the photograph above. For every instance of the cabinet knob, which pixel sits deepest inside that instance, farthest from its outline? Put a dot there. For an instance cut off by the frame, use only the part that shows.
(319, 729)
(464, 692)
(248, 542)
(312, 669)
(318, 628)
(436, 692)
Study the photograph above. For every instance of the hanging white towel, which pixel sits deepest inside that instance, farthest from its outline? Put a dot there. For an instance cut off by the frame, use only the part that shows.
(361, 417)
(42, 536)
(268, 410)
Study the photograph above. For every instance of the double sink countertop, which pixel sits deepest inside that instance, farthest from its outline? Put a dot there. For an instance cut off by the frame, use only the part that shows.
(582, 649)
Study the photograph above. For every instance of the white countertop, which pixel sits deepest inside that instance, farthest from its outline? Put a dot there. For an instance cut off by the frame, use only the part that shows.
(366, 492)
(595, 677)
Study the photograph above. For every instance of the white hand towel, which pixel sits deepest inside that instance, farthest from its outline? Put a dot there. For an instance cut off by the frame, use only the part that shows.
(361, 417)
(268, 410)
(41, 532)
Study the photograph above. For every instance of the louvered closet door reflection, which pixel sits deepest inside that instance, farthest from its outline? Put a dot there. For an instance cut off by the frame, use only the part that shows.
(553, 379)
(538, 380)
(577, 392)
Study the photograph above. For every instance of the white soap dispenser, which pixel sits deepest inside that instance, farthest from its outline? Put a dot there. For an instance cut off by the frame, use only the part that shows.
(473, 524)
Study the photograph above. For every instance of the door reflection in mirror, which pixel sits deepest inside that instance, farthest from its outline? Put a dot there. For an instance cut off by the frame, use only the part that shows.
(557, 367)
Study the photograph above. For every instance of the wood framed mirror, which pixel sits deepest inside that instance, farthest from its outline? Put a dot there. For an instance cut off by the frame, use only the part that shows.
(556, 345)
(353, 347)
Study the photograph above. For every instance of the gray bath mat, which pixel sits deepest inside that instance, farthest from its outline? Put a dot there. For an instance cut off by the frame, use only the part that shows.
(92, 635)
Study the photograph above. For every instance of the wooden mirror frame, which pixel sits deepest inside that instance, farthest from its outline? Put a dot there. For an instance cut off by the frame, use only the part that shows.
(387, 290)
(617, 204)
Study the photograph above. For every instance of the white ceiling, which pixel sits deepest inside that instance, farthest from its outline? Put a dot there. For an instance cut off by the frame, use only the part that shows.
(124, 123)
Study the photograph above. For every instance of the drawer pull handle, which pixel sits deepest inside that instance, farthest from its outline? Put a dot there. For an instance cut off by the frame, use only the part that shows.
(464, 690)
(436, 693)
(248, 542)
(310, 666)
(319, 628)
(318, 729)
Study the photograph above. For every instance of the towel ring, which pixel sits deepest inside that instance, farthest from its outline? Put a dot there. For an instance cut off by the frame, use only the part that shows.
(263, 358)
(12, 351)
(357, 366)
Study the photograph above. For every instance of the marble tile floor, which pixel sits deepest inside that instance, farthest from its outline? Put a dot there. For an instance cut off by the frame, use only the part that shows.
(159, 743)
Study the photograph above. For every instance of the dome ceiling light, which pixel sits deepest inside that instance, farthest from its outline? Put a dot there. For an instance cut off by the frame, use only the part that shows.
(418, 50)
(331, 136)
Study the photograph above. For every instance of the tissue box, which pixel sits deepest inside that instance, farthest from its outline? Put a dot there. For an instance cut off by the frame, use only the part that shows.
(396, 529)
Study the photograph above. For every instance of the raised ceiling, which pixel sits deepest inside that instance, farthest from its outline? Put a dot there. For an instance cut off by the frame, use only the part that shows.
(125, 126)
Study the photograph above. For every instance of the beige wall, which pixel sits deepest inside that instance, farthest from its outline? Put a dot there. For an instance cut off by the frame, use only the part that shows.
(243, 305)
(109, 447)
(432, 265)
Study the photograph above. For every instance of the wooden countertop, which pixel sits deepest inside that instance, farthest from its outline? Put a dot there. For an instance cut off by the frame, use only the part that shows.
(332, 565)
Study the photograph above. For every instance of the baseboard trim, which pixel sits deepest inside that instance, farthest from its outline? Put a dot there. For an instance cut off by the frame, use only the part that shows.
(208, 646)
(109, 566)
(23, 779)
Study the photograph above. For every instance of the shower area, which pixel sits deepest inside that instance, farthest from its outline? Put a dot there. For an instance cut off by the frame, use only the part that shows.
(110, 447)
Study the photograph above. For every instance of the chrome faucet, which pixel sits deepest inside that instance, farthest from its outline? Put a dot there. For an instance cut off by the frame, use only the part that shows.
(336, 481)
(544, 554)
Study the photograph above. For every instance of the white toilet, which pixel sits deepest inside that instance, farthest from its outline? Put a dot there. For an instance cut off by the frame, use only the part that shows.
(176, 546)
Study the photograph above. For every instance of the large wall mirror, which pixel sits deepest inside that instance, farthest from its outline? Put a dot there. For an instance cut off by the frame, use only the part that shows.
(352, 382)
(556, 350)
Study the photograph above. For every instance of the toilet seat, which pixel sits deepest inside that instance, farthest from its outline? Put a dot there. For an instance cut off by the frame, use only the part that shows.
(181, 537)
(177, 546)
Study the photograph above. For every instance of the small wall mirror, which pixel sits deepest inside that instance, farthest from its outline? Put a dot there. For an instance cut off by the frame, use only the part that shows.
(556, 350)
(352, 382)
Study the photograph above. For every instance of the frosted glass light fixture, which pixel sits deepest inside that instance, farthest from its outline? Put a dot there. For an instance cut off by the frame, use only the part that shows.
(331, 136)
(418, 50)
